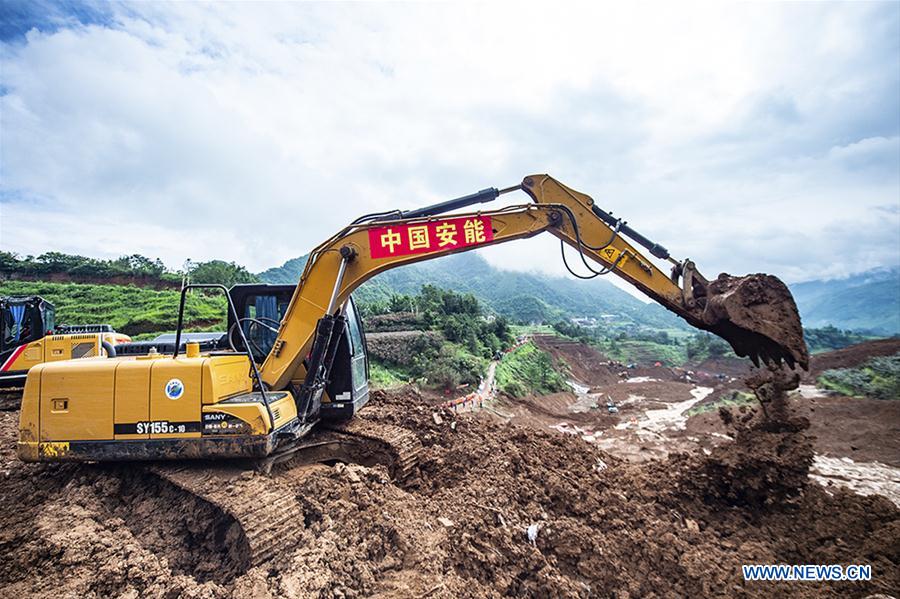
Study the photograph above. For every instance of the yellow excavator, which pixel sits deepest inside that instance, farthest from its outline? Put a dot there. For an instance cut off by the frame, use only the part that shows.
(29, 336)
(295, 370)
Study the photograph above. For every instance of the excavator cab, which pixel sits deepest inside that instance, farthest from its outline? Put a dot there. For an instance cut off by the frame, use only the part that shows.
(29, 335)
(24, 319)
(261, 309)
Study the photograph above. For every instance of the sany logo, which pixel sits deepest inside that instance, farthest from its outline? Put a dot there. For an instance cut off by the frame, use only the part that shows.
(174, 389)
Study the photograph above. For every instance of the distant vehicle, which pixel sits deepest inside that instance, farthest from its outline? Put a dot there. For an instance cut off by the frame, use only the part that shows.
(30, 336)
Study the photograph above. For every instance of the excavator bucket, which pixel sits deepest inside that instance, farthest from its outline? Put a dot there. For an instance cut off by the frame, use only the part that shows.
(757, 315)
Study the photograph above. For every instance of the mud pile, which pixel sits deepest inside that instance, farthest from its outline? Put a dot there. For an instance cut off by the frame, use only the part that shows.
(852, 356)
(769, 461)
(599, 526)
(554, 410)
(584, 362)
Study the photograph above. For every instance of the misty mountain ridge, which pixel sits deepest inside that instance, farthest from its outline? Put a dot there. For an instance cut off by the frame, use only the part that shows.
(868, 301)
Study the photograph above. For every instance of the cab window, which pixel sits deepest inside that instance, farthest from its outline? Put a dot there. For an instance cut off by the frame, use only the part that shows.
(269, 311)
(356, 341)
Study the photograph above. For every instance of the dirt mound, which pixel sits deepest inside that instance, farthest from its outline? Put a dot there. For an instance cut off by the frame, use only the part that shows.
(860, 428)
(852, 356)
(598, 526)
(586, 364)
(550, 410)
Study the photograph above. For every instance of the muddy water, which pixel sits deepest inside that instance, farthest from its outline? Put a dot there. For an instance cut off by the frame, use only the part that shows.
(863, 478)
(669, 418)
(810, 391)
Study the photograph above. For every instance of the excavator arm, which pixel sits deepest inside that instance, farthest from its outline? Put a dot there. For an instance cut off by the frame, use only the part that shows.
(755, 314)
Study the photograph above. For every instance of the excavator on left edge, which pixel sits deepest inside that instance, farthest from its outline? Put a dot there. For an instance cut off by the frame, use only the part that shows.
(30, 336)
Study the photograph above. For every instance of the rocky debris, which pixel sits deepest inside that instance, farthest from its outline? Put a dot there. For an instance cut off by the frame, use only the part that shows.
(675, 527)
(583, 362)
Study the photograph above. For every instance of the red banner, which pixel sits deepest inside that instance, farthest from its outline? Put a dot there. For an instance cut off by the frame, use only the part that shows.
(420, 238)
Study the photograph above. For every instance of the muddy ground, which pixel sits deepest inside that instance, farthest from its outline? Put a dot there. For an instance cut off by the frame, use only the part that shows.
(606, 525)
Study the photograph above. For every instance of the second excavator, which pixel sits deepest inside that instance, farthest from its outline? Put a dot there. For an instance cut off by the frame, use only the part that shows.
(296, 360)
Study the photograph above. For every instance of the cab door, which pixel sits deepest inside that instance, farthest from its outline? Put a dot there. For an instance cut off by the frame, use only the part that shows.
(359, 358)
(21, 336)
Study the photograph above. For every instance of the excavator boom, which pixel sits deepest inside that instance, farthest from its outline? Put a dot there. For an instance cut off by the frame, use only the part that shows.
(755, 314)
(219, 405)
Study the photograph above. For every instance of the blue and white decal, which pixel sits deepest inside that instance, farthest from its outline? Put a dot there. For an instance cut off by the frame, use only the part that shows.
(174, 389)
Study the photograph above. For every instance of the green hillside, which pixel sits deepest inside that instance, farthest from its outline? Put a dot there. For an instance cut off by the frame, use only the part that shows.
(130, 310)
(286, 274)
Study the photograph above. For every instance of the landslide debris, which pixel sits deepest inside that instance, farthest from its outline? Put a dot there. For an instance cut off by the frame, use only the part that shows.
(768, 463)
(599, 526)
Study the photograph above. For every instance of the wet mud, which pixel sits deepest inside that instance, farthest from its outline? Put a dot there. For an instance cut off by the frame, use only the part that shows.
(600, 526)
(757, 315)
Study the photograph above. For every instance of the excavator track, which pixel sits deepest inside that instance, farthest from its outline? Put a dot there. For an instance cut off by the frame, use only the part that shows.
(396, 447)
(262, 499)
(10, 398)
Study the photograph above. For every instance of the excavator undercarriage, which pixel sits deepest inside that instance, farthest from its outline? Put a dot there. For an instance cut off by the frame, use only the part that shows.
(262, 500)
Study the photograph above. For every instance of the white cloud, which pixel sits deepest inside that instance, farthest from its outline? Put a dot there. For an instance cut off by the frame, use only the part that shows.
(749, 137)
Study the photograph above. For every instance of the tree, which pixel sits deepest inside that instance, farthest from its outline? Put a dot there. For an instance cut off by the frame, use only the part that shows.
(401, 303)
(9, 262)
(141, 265)
(221, 272)
(704, 345)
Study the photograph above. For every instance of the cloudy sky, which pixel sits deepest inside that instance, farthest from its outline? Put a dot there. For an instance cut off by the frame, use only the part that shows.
(749, 137)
